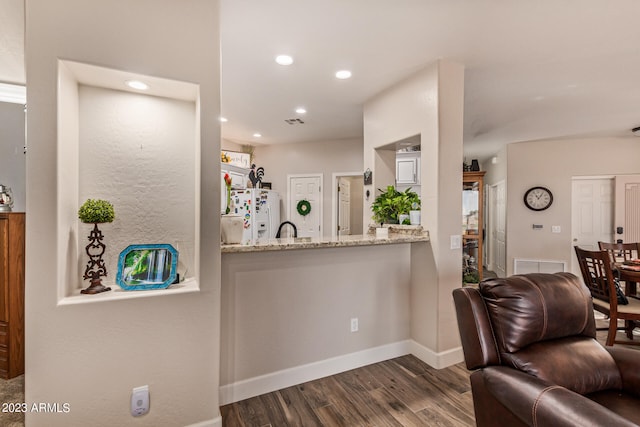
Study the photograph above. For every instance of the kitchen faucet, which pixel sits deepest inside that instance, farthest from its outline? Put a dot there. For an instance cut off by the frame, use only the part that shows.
(295, 229)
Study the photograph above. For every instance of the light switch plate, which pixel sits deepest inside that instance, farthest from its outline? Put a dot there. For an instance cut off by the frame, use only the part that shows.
(456, 241)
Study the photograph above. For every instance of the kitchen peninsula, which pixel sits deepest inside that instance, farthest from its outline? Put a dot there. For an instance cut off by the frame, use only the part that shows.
(293, 310)
(414, 234)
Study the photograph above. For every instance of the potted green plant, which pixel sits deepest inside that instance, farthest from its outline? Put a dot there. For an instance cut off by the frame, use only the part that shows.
(407, 201)
(470, 277)
(388, 207)
(96, 212)
(414, 213)
(384, 207)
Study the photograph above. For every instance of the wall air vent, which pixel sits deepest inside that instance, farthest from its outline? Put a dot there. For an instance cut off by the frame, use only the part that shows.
(294, 121)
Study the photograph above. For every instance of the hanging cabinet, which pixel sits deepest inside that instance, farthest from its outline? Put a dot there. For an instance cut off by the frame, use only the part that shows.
(408, 168)
(472, 226)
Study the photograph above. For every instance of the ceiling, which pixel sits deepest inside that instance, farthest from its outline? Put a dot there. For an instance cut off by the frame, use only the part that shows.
(533, 69)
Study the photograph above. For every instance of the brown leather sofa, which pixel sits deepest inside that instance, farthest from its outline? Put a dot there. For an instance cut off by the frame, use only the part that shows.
(531, 341)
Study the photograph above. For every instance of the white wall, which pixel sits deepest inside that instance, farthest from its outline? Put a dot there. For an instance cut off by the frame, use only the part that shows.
(552, 164)
(12, 58)
(286, 310)
(92, 355)
(227, 144)
(137, 151)
(429, 103)
(326, 157)
(495, 172)
(12, 158)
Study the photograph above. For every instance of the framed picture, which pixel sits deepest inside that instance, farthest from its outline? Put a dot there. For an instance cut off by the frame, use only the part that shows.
(142, 267)
(242, 160)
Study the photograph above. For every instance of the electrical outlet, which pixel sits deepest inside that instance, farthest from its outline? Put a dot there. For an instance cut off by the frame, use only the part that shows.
(354, 324)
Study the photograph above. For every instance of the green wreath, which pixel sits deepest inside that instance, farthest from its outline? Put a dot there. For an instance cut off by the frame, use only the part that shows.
(304, 207)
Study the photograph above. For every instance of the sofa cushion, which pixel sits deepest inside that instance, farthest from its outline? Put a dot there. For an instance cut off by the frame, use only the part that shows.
(579, 363)
(537, 307)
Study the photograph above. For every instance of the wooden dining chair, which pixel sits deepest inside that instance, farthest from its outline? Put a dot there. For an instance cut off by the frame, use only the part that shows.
(598, 277)
(619, 253)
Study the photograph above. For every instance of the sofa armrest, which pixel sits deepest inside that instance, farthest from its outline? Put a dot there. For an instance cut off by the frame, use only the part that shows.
(539, 403)
(628, 362)
(476, 332)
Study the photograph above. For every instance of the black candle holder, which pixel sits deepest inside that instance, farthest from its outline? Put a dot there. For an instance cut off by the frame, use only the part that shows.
(96, 268)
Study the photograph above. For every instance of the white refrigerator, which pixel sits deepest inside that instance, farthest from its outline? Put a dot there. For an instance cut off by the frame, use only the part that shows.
(260, 210)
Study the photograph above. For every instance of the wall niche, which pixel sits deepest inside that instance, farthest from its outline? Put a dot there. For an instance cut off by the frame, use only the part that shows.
(139, 149)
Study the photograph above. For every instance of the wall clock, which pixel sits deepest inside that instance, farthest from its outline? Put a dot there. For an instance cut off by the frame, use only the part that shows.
(538, 198)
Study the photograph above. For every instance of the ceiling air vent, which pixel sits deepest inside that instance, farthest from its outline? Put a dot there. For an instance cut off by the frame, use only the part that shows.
(294, 121)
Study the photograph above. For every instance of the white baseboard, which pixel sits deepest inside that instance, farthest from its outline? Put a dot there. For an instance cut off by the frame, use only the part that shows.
(312, 371)
(215, 422)
(437, 360)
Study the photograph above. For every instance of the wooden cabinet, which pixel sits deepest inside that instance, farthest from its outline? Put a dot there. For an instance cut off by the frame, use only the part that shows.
(407, 168)
(472, 226)
(11, 294)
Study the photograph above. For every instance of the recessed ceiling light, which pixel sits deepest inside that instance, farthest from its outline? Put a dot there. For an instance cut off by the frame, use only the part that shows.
(137, 84)
(301, 110)
(284, 60)
(223, 119)
(343, 74)
(257, 135)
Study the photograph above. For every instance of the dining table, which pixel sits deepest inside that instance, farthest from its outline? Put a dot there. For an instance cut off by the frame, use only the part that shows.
(631, 277)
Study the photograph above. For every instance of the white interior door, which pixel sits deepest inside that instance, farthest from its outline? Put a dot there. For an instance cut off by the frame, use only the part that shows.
(497, 229)
(591, 215)
(309, 188)
(627, 207)
(344, 207)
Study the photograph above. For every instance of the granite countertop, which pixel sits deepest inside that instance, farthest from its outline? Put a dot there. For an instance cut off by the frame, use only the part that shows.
(325, 242)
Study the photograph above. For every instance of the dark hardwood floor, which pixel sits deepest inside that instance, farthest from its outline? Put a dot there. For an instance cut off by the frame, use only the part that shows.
(398, 392)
